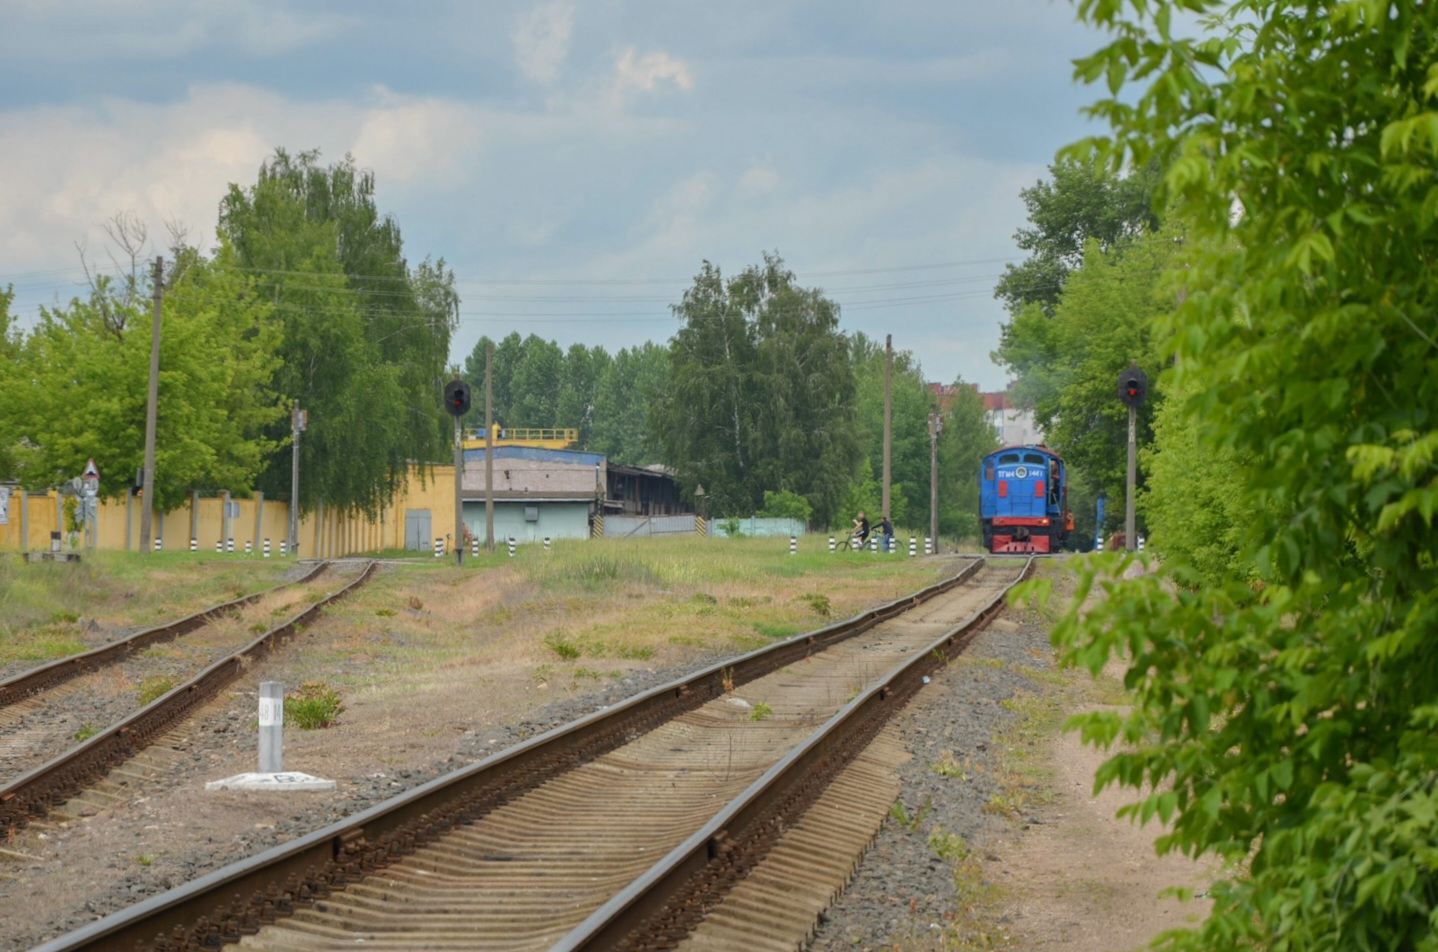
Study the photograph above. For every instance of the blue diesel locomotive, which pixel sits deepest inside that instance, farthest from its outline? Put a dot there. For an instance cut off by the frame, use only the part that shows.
(1023, 500)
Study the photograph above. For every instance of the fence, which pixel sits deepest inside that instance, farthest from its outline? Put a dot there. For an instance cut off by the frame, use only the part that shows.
(756, 527)
(643, 527)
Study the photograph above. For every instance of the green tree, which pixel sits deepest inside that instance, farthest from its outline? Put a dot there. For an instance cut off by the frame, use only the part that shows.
(83, 375)
(1288, 727)
(912, 401)
(966, 439)
(365, 337)
(760, 393)
(536, 384)
(579, 389)
(1101, 326)
(626, 387)
(1084, 202)
(10, 350)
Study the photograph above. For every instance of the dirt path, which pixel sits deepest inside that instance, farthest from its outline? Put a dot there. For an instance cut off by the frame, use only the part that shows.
(1082, 880)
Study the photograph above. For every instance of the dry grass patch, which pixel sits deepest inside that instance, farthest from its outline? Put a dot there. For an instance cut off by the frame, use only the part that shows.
(599, 608)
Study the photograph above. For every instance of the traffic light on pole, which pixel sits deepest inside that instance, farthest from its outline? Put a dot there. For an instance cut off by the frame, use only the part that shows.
(1132, 387)
(456, 397)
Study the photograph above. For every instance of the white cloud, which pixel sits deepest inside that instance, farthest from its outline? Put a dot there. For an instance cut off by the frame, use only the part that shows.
(418, 139)
(69, 169)
(680, 210)
(758, 180)
(648, 73)
(541, 41)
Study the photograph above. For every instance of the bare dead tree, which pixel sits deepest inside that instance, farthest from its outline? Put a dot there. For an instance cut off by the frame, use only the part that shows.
(182, 253)
(130, 236)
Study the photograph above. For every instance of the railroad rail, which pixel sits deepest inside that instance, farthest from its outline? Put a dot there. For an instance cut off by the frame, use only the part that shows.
(660, 905)
(50, 675)
(37, 791)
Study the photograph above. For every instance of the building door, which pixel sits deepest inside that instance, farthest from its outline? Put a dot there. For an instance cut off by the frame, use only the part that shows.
(416, 530)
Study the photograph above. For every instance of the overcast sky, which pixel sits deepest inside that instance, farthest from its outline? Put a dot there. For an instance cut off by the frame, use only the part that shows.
(573, 163)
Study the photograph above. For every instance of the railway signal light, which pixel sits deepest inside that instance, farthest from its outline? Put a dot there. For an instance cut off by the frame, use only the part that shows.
(456, 397)
(1132, 387)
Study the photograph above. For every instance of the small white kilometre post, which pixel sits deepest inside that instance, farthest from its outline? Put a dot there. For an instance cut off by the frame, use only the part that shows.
(271, 775)
(272, 726)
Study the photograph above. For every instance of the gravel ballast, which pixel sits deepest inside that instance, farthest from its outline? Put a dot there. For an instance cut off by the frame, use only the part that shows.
(902, 888)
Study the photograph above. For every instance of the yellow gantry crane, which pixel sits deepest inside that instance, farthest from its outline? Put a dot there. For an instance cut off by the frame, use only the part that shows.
(552, 438)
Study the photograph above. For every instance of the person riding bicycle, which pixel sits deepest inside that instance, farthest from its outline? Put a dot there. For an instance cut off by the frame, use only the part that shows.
(886, 533)
(861, 528)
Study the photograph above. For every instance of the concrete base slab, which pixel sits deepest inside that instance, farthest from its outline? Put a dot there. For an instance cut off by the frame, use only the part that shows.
(287, 780)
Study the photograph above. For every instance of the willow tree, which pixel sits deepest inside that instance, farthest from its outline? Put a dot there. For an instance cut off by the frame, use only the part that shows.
(365, 334)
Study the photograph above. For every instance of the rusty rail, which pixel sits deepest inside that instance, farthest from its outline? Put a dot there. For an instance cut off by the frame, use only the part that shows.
(660, 907)
(35, 792)
(229, 903)
(46, 676)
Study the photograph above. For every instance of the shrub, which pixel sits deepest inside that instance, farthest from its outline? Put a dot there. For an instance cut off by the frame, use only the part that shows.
(314, 705)
(786, 505)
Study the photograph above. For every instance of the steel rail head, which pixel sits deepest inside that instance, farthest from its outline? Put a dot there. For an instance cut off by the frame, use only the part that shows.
(48, 675)
(329, 858)
(664, 903)
(36, 791)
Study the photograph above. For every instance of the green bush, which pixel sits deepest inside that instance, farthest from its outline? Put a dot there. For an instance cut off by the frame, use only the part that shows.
(786, 505)
(314, 705)
(562, 646)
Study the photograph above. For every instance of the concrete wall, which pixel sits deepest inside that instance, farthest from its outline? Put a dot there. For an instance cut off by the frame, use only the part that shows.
(325, 533)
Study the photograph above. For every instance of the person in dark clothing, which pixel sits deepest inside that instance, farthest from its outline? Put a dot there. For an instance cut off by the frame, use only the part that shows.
(861, 528)
(886, 533)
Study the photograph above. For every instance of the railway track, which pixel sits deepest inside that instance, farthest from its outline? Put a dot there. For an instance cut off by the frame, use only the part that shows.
(626, 829)
(33, 726)
(52, 707)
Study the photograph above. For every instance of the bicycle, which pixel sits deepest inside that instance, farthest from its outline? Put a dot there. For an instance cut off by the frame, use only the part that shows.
(851, 542)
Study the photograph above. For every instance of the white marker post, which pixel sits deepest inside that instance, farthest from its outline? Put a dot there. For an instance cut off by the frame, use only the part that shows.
(272, 726)
(271, 775)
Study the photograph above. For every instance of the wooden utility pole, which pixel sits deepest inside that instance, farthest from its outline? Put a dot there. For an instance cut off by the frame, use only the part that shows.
(299, 419)
(147, 482)
(936, 426)
(1130, 534)
(458, 493)
(489, 447)
(888, 419)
